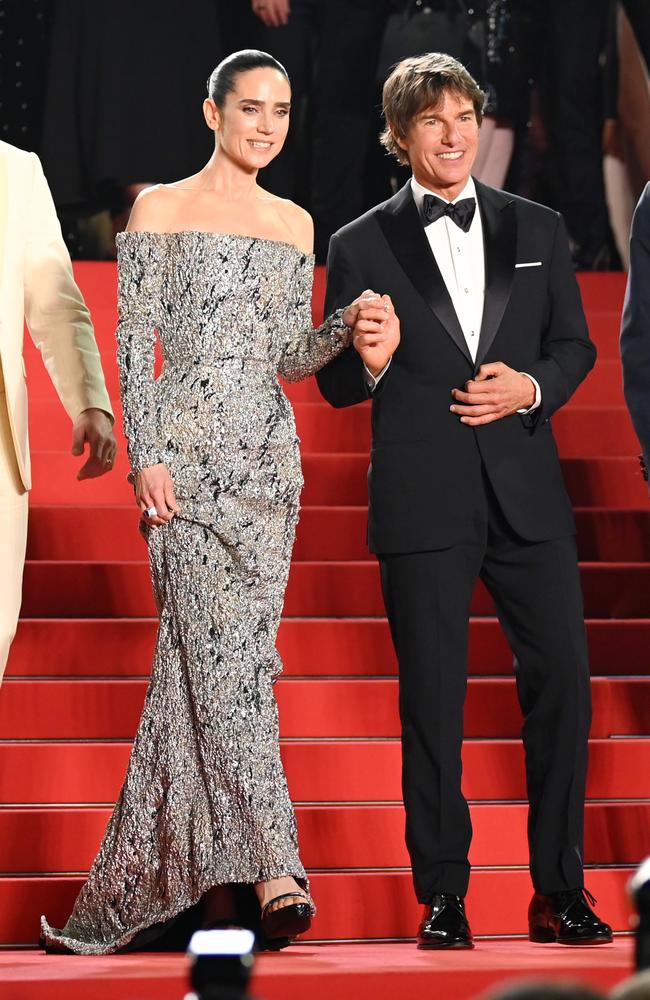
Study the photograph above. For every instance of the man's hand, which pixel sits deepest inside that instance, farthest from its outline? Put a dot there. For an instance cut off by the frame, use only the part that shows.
(154, 488)
(376, 331)
(274, 13)
(95, 428)
(496, 392)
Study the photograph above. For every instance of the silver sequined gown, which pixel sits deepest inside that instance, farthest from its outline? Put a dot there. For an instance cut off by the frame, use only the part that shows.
(205, 799)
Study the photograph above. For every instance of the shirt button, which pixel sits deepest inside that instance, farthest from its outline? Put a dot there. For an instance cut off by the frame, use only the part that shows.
(467, 291)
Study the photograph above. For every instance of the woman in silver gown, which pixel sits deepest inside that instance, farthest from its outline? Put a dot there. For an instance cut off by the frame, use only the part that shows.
(216, 464)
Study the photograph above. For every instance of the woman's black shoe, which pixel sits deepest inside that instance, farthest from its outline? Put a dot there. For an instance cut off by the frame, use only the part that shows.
(566, 918)
(445, 924)
(286, 921)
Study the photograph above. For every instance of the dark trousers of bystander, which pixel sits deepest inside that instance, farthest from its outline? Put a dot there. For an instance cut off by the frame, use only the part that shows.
(575, 118)
(329, 48)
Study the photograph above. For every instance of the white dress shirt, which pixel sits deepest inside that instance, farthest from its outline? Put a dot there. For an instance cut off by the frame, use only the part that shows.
(460, 257)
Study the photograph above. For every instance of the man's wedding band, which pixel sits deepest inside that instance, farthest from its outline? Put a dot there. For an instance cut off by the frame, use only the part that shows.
(385, 307)
(150, 512)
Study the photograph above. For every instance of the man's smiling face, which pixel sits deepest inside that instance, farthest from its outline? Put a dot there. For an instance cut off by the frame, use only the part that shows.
(442, 144)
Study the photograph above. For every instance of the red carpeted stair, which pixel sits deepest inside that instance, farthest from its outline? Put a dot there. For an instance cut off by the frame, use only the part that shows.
(77, 677)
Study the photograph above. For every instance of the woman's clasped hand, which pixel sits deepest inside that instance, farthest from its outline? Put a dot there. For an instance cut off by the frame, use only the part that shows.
(376, 329)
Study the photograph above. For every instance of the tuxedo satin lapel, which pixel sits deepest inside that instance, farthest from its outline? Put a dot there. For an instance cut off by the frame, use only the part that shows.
(499, 218)
(405, 234)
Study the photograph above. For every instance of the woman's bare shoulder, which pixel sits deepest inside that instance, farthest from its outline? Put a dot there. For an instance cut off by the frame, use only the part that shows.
(150, 210)
(298, 221)
(301, 225)
(155, 206)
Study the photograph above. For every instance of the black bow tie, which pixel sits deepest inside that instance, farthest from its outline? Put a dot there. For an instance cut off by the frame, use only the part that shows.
(462, 212)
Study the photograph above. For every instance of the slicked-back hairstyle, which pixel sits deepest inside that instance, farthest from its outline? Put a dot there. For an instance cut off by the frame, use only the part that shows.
(418, 83)
(221, 81)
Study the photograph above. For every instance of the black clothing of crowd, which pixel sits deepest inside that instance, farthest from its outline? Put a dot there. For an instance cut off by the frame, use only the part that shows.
(104, 92)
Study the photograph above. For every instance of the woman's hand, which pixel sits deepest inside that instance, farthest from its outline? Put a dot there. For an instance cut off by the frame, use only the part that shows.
(376, 332)
(351, 314)
(274, 13)
(154, 489)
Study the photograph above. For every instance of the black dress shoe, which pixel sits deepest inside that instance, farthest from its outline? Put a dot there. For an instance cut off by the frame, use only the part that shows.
(566, 918)
(445, 924)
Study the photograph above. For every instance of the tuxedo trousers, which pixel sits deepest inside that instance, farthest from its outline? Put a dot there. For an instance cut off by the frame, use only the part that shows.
(537, 592)
(13, 533)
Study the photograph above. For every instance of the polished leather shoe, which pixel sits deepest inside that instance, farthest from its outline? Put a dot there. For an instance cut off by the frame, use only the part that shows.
(566, 918)
(445, 924)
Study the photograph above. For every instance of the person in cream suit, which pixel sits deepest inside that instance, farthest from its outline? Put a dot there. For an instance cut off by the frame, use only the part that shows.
(37, 286)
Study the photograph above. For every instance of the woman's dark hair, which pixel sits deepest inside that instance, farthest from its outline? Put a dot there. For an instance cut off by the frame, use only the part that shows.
(221, 81)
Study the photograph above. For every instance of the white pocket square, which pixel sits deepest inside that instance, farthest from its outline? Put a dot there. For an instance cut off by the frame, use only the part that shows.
(532, 263)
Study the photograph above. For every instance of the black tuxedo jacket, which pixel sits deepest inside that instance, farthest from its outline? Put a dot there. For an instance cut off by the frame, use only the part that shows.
(425, 479)
(635, 326)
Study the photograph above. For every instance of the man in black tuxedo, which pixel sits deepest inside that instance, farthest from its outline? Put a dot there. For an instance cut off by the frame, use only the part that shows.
(635, 328)
(465, 482)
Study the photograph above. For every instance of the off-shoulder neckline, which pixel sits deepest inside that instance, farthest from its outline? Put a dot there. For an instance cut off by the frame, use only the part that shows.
(208, 232)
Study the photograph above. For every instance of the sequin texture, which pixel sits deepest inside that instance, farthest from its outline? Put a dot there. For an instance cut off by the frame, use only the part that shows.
(205, 800)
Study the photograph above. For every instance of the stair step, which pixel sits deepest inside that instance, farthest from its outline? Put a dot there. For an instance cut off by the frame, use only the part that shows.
(65, 839)
(377, 904)
(608, 483)
(579, 430)
(603, 387)
(604, 383)
(324, 533)
(313, 708)
(336, 480)
(308, 647)
(315, 589)
(87, 647)
(317, 771)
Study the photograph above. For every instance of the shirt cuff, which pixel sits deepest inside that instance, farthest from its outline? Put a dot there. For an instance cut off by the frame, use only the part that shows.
(372, 381)
(538, 394)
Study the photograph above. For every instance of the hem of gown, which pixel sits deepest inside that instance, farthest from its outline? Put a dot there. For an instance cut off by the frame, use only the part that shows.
(52, 937)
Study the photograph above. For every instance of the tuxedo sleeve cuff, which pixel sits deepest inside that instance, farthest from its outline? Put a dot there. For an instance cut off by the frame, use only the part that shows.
(372, 381)
(538, 394)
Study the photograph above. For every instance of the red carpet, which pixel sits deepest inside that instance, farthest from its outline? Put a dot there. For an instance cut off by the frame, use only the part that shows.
(77, 676)
(330, 972)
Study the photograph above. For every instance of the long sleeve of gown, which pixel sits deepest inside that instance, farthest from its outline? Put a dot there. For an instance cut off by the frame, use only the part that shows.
(306, 349)
(139, 281)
